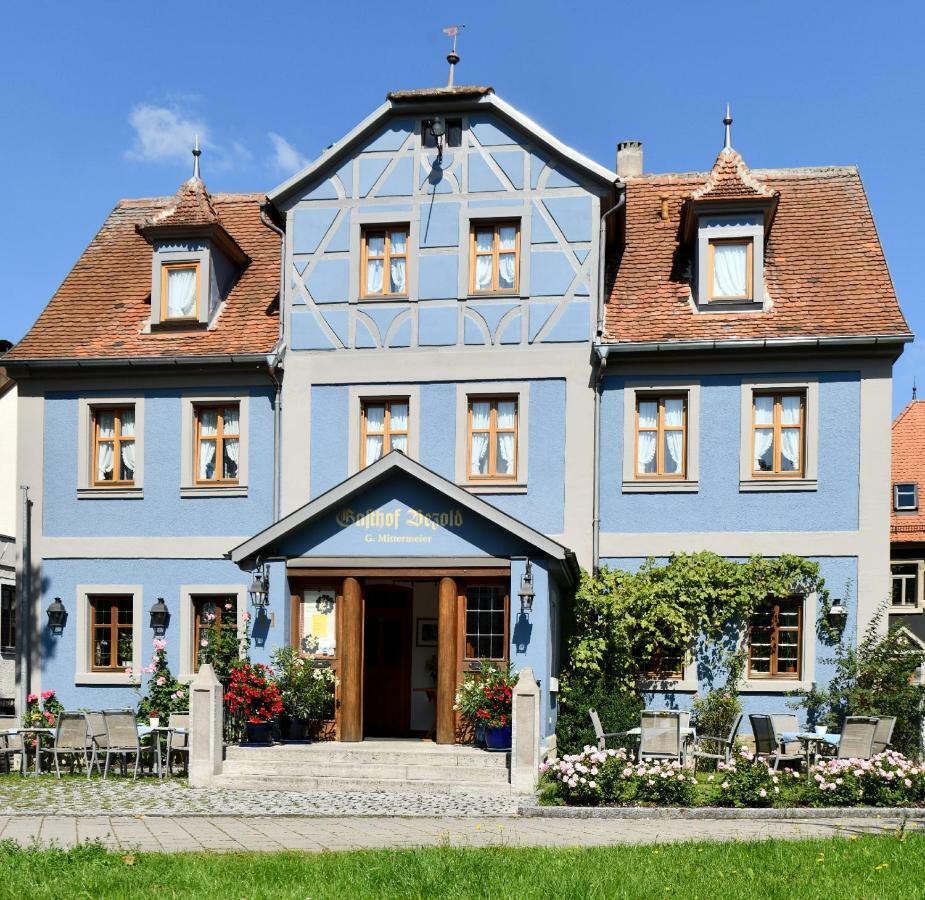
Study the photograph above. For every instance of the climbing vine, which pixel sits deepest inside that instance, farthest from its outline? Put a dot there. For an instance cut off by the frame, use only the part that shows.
(625, 619)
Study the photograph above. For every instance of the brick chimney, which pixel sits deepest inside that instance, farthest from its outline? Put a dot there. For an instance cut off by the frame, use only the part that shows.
(629, 159)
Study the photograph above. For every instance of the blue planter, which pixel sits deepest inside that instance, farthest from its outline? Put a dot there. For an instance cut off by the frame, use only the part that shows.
(498, 738)
(479, 734)
(258, 732)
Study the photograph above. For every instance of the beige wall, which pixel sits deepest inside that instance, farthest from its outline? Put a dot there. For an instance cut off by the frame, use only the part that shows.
(8, 483)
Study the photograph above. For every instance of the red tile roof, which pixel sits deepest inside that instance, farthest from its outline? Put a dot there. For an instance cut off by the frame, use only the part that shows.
(909, 465)
(730, 179)
(104, 304)
(192, 205)
(824, 267)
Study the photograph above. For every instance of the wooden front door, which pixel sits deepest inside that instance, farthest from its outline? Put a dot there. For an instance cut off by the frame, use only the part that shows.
(387, 661)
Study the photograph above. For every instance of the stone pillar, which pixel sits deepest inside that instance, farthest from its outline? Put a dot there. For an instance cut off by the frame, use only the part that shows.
(525, 733)
(351, 662)
(448, 615)
(206, 727)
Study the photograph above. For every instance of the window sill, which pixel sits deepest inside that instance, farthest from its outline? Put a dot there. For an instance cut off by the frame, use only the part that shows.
(217, 490)
(779, 484)
(727, 306)
(180, 325)
(904, 610)
(113, 493)
(488, 295)
(495, 487)
(661, 685)
(679, 486)
(774, 686)
(110, 678)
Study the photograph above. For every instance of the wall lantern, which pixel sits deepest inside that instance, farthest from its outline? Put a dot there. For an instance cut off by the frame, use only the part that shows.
(437, 128)
(159, 616)
(526, 588)
(57, 616)
(260, 586)
(837, 614)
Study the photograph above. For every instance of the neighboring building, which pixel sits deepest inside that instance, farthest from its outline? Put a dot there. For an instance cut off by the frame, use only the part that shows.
(375, 388)
(907, 521)
(8, 510)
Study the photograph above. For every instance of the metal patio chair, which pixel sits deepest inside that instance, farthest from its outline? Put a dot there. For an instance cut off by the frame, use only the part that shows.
(178, 742)
(11, 744)
(722, 747)
(857, 738)
(767, 745)
(72, 739)
(122, 739)
(884, 733)
(599, 732)
(660, 735)
(98, 738)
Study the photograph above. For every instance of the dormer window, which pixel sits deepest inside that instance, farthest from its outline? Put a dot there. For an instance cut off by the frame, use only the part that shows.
(730, 269)
(179, 291)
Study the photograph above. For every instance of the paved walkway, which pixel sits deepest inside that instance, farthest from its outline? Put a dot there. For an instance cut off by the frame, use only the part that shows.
(238, 833)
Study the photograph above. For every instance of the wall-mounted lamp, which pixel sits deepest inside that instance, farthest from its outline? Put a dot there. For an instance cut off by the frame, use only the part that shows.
(260, 586)
(837, 614)
(159, 616)
(437, 128)
(526, 591)
(57, 616)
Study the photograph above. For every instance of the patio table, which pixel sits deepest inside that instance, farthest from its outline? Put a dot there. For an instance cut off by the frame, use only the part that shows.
(144, 730)
(39, 733)
(811, 741)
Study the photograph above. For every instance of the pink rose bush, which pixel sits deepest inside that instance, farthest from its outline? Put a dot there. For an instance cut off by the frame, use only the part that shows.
(747, 781)
(887, 779)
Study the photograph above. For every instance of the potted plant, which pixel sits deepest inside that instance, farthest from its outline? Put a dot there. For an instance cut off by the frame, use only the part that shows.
(165, 694)
(485, 700)
(254, 696)
(307, 694)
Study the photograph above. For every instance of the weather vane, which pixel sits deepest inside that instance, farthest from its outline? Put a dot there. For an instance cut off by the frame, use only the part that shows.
(452, 57)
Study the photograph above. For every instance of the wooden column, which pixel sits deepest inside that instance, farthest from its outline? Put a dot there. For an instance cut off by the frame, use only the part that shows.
(446, 660)
(351, 662)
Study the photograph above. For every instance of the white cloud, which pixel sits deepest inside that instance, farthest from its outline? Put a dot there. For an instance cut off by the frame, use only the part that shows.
(163, 134)
(285, 157)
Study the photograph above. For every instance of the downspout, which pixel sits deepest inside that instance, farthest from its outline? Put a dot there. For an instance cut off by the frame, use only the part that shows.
(602, 352)
(26, 616)
(273, 363)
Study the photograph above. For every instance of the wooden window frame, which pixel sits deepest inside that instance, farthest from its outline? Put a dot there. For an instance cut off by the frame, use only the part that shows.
(778, 397)
(469, 663)
(387, 432)
(113, 601)
(218, 600)
(776, 629)
(495, 253)
(660, 430)
(915, 577)
(386, 230)
(116, 440)
(749, 244)
(165, 269)
(219, 438)
(492, 432)
(656, 670)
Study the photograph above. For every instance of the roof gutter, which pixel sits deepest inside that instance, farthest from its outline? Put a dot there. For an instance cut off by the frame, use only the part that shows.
(763, 343)
(136, 362)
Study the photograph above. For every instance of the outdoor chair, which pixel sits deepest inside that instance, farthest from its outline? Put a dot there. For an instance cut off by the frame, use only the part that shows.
(122, 739)
(599, 732)
(722, 747)
(11, 744)
(178, 743)
(767, 745)
(98, 739)
(857, 738)
(660, 735)
(72, 739)
(884, 733)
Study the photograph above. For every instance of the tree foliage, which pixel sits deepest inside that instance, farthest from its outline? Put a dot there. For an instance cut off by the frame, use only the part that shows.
(623, 618)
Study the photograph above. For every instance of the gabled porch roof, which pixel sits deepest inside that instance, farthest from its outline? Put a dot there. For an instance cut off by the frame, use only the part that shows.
(262, 544)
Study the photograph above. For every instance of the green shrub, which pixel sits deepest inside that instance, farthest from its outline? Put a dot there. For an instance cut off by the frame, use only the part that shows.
(714, 713)
(618, 711)
(746, 782)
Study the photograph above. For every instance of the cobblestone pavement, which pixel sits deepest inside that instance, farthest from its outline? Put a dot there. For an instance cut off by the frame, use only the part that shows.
(173, 797)
(263, 833)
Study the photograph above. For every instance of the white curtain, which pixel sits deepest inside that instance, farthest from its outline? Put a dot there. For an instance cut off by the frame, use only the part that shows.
(181, 293)
(504, 452)
(106, 429)
(375, 246)
(399, 422)
(790, 411)
(375, 425)
(646, 440)
(230, 420)
(208, 427)
(230, 462)
(481, 419)
(729, 270)
(507, 244)
(398, 247)
(674, 440)
(128, 460)
(484, 241)
(764, 436)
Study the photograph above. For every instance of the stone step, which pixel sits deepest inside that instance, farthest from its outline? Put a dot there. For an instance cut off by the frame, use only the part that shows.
(366, 772)
(305, 784)
(334, 755)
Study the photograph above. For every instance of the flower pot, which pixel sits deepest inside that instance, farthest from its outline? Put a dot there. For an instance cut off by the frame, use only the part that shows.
(321, 729)
(479, 740)
(498, 738)
(155, 721)
(258, 732)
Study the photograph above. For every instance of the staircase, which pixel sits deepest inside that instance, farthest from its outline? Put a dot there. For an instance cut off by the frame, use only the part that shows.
(372, 765)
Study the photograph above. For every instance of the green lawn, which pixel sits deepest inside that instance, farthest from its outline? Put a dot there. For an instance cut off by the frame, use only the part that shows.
(867, 867)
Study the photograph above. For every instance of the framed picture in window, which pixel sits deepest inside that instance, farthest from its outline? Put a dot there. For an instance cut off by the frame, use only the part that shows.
(426, 633)
(318, 623)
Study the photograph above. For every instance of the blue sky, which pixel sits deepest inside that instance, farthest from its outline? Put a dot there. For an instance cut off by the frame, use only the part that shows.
(99, 101)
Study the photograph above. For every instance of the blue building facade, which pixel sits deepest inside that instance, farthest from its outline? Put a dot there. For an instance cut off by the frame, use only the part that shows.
(415, 389)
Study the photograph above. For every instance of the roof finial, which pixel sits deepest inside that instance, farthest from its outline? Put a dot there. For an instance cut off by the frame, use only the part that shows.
(913, 387)
(727, 121)
(196, 154)
(452, 57)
